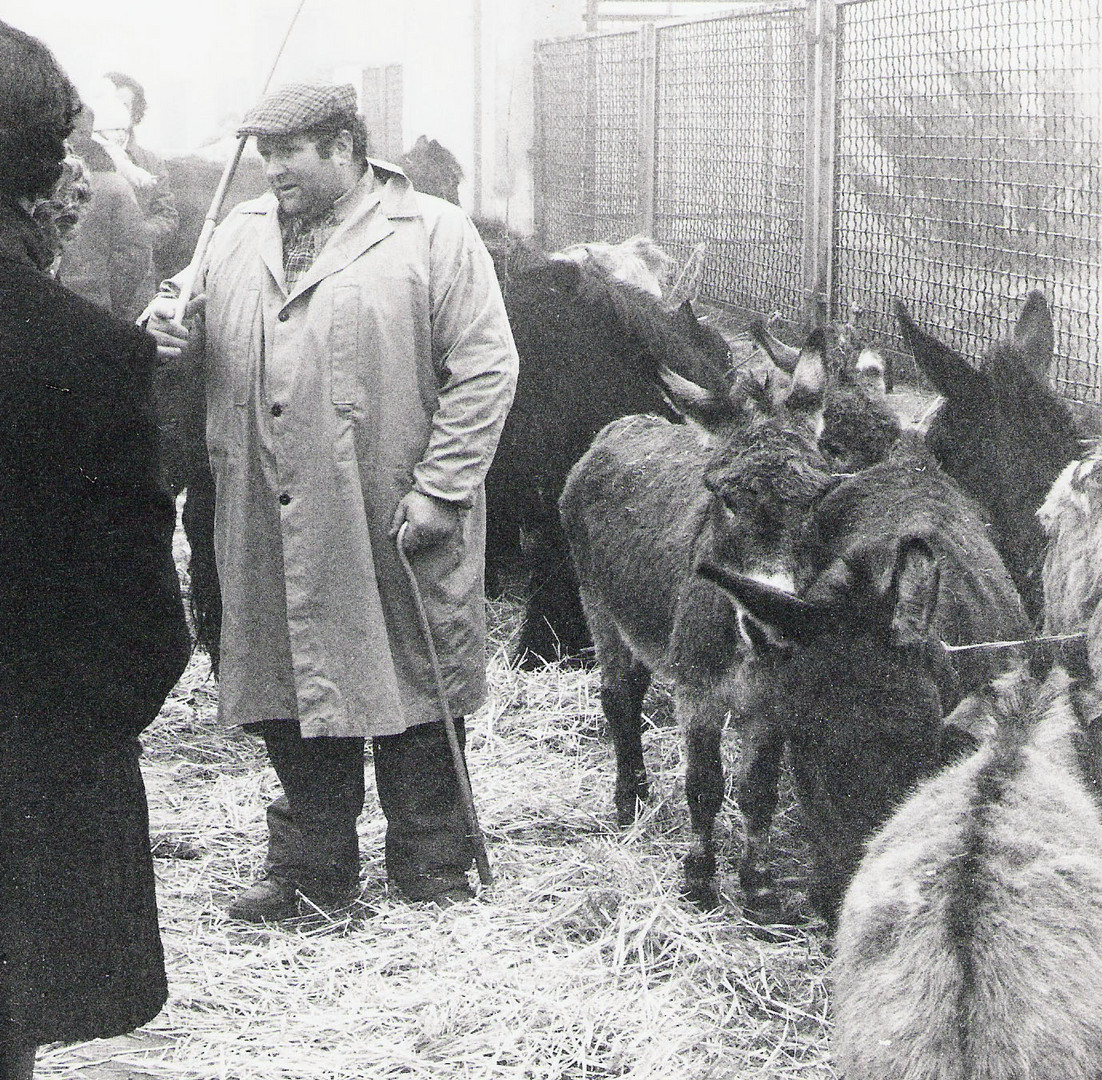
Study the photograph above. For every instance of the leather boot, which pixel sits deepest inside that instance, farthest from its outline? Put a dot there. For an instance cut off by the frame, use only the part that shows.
(274, 898)
(313, 848)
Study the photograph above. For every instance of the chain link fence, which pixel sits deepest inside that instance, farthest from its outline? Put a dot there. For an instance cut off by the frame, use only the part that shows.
(729, 162)
(837, 153)
(588, 114)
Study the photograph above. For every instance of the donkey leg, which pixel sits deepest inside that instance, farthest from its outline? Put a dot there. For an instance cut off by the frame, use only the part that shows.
(702, 723)
(758, 778)
(622, 701)
(624, 682)
(554, 625)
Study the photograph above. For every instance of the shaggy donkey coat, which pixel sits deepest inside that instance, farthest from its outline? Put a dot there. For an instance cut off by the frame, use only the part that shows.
(1072, 519)
(970, 942)
(640, 509)
(851, 673)
(590, 352)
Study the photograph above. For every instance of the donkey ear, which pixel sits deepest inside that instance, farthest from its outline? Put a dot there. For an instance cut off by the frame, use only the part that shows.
(807, 395)
(782, 614)
(784, 356)
(707, 408)
(953, 377)
(1034, 335)
(914, 592)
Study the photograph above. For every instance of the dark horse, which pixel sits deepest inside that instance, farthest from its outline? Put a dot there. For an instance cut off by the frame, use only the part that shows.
(432, 169)
(590, 352)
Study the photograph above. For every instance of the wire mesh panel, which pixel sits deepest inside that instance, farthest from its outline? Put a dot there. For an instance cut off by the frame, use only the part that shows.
(729, 160)
(968, 169)
(589, 137)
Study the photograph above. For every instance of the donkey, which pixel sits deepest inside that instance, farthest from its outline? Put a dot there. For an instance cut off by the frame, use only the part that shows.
(639, 509)
(970, 940)
(637, 261)
(1002, 433)
(851, 671)
(859, 426)
(1071, 517)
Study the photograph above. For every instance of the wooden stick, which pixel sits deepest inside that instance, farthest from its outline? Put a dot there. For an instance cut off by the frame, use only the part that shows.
(466, 796)
(187, 279)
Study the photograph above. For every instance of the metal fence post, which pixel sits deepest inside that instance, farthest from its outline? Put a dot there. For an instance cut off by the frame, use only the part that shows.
(648, 93)
(541, 212)
(590, 163)
(822, 31)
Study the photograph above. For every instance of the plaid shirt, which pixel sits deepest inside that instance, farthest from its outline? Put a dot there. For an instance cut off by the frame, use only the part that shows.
(303, 238)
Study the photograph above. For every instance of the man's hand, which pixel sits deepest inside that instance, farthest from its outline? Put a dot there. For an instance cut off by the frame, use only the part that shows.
(431, 521)
(134, 174)
(172, 337)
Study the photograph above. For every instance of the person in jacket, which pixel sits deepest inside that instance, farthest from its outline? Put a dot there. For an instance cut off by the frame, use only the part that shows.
(107, 259)
(357, 366)
(146, 171)
(92, 627)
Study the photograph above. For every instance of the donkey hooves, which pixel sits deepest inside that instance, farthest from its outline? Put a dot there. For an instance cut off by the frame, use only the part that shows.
(703, 894)
(629, 807)
(770, 916)
(700, 881)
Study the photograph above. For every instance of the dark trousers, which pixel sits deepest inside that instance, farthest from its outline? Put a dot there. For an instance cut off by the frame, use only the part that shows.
(312, 827)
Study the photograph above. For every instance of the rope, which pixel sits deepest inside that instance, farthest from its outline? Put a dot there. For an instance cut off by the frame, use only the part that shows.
(1044, 640)
(474, 832)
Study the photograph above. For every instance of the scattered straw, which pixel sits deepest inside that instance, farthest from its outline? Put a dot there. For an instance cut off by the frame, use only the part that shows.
(580, 962)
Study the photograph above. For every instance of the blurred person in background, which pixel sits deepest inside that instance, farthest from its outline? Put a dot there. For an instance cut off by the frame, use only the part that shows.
(357, 365)
(107, 260)
(92, 628)
(144, 169)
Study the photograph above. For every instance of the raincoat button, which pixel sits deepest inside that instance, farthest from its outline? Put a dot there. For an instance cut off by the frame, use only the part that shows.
(284, 499)
(284, 316)
(277, 409)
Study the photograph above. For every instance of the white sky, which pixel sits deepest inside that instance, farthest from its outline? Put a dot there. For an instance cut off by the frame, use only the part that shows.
(203, 62)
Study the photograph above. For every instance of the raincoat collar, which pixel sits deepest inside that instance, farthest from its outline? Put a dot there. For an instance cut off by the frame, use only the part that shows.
(367, 221)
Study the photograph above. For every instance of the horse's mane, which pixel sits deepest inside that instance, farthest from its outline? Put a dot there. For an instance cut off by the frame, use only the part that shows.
(649, 335)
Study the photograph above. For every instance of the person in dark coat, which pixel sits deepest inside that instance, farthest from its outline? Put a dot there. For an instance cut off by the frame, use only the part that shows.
(109, 256)
(92, 629)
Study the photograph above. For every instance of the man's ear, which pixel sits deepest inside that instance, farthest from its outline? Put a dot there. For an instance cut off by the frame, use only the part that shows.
(342, 147)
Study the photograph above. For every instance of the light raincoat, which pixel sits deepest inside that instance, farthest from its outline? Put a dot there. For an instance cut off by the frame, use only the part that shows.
(390, 365)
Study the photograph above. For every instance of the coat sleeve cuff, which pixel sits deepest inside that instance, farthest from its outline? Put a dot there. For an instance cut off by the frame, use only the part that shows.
(450, 500)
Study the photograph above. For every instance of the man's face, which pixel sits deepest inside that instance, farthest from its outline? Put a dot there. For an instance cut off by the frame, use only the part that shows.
(304, 182)
(126, 96)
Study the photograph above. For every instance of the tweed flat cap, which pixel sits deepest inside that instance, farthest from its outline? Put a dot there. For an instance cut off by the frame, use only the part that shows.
(298, 106)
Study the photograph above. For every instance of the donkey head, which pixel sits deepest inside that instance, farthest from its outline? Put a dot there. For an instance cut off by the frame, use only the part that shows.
(764, 472)
(1002, 432)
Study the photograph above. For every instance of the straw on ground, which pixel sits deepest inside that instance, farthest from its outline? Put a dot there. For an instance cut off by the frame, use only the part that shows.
(580, 962)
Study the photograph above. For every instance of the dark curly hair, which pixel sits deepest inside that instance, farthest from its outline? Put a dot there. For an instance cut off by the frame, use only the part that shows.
(324, 135)
(38, 107)
(138, 103)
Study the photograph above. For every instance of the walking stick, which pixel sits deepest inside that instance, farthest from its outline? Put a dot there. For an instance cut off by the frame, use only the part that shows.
(187, 278)
(481, 859)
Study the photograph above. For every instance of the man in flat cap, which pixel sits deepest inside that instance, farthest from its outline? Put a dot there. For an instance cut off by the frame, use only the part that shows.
(357, 365)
